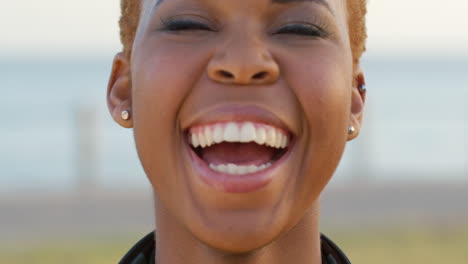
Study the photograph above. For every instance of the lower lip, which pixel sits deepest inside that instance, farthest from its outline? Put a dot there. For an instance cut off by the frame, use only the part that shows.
(235, 183)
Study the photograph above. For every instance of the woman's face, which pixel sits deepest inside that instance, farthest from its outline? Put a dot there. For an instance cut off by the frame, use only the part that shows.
(241, 76)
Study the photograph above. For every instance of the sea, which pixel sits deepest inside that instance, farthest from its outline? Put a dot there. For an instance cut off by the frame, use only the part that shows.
(56, 132)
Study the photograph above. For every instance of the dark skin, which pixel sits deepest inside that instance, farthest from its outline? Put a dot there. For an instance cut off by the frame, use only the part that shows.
(289, 58)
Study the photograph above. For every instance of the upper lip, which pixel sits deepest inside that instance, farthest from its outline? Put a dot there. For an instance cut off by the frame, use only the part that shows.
(238, 113)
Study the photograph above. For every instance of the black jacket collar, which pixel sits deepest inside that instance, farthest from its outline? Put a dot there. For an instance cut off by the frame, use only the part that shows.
(143, 252)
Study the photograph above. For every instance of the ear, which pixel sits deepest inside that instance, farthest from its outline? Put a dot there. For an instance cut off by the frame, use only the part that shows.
(358, 99)
(119, 90)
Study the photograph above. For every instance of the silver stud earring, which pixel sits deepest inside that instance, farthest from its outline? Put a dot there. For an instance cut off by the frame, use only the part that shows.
(351, 130)
(125, 115)
(362, 88)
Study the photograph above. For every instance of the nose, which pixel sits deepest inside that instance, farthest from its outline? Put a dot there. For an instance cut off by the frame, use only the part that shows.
(243, 62)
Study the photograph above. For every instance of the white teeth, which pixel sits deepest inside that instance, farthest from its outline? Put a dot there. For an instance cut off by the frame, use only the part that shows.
(285, 142)
(242, 169)
(231, 133)
(252, 169)
(201, 139)
(271, 137)
(231, 168)
(218, 134)
(208, 136)
(244, 132)
(234, 169)
(260, 136)
(223, 168)
(195, 142)
(247, 133)
(279, 140)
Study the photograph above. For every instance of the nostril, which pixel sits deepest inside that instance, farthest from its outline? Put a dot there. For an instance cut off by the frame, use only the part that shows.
(260, 75)
(225, 74)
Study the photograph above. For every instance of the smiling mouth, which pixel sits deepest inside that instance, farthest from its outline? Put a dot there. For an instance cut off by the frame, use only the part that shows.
(238, 148)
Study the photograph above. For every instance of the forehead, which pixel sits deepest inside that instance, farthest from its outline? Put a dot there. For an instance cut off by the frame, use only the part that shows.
(329, 4)
(322, 2)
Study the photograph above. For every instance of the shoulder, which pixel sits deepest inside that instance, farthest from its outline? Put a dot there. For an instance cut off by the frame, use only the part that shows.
(142, 252)
(331, 253)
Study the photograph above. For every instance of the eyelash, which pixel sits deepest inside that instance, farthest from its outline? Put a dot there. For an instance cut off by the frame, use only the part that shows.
(183, 25)
(302, 30)
(293, 29)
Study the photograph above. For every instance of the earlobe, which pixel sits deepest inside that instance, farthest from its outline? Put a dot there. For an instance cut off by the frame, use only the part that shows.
(358, 99)
(119, 91)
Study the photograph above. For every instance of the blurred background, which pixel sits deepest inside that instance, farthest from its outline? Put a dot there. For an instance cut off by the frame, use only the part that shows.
(72, 189)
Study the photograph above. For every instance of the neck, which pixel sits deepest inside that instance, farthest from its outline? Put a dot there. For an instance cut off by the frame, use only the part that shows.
(176, 245)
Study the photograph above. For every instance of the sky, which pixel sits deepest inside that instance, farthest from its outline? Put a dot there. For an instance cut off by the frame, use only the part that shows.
(90, 27)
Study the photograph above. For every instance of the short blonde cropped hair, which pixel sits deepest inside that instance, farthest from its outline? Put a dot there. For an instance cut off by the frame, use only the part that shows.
(357, 9)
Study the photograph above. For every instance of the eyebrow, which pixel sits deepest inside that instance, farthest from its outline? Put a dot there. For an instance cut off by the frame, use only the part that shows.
(320, 2)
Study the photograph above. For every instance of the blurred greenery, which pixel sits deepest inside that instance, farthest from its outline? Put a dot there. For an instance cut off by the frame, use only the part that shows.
(89, 250)
(409, 245)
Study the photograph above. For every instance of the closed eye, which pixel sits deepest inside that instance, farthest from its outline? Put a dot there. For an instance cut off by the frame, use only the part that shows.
(184, 25)
(303, 30)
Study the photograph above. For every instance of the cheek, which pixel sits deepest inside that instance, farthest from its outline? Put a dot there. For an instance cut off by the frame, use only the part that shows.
(161, 80)
(322, 85)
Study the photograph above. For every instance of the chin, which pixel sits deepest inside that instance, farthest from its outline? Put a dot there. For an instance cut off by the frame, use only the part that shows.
(243, 238)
